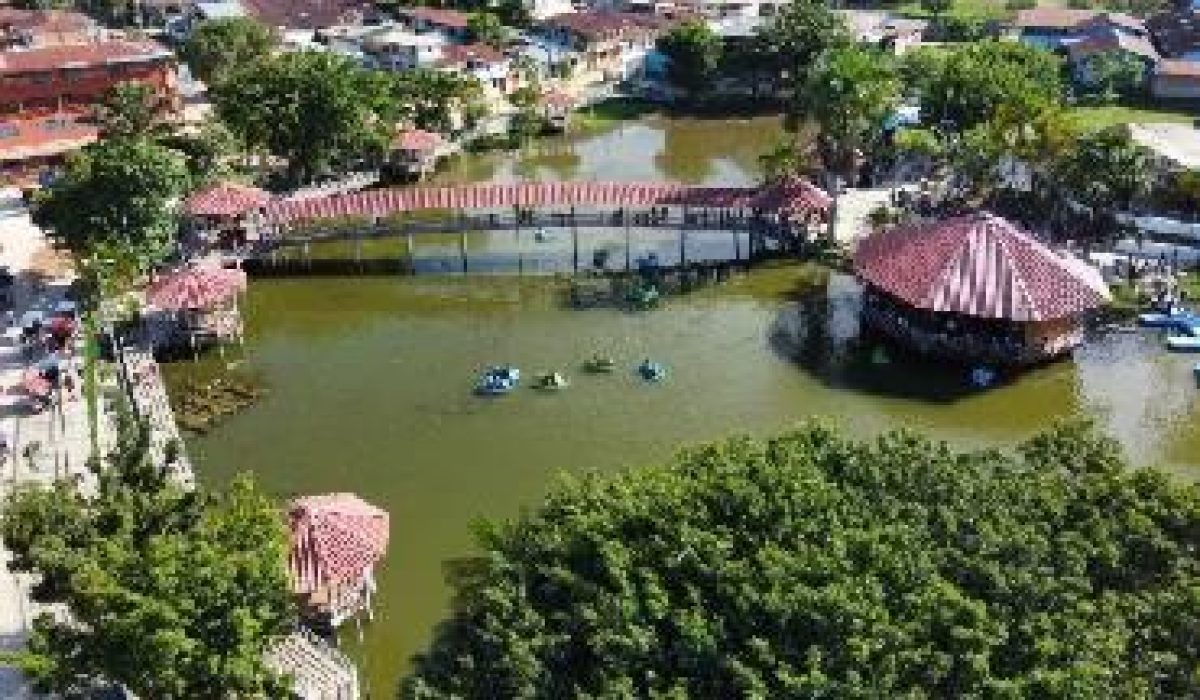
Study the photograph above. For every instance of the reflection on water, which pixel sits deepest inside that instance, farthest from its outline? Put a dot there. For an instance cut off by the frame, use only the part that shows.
(371, 392)
(371, 381)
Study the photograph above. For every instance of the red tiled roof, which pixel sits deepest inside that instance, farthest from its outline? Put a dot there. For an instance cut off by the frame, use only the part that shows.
(1064, 18)
(599, 25)
(226, 199)
(459, 54)
(335, 539)
(43, 21)
(1112, 41)
(305, 14)
(50, 58)
(558, 99)
(23, 139)
(977, 265)
(1178, 69)
(492, 195)
(417, 140)
(436, 16)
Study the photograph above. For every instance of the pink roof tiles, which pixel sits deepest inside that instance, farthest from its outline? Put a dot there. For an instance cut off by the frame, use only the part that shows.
(417, 140)
(336, 539)
(44, 137)
(436, 16)
(496, 195)
(226, 199)
(976, 265)
(50, 58)
(196, 287)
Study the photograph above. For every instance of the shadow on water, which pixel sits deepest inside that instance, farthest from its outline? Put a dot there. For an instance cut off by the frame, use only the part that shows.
(820, 332)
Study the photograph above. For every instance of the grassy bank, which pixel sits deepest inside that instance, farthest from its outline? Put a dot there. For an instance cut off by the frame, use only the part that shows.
(1111, 115)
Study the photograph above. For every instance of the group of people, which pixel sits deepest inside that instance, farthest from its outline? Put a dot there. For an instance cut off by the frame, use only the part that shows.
(50, 343)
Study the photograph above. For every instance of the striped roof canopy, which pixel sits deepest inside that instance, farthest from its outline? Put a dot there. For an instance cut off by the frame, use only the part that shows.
(336, 539)
(226, 199)
(792, 195)
(977, 265)
(196, 287)
(492, 195)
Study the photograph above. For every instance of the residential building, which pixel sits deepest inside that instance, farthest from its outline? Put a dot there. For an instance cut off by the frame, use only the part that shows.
(425, 20)
(30, 145)
(1052, 27)
(490, 67)
(881, 29)
(397, 48)
(1177, 34)
(1175, 146)
(722, 9)
(1081, 52)
(76, 77)
(544, 9)
(308, 14)
(613, 45)
(37, 28)
(1176, 79)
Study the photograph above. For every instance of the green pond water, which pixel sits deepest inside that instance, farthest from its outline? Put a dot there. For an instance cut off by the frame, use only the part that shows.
(370, 382)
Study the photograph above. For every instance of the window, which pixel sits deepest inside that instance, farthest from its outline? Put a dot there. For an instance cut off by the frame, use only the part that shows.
(8, 131)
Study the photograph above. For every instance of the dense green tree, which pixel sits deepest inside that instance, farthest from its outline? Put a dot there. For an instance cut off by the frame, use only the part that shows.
(130, 109)
(437, 101)
(790, 43)
(212, 153)
(849, 94)
(115, 200)
(486, 28)
(318, 111)
(1108, 173)
(937, 8)
(1114, 74)
(529, 120)
(693, 52)
(814, 566)
(972, 82)
(172, 593)
(219, 47)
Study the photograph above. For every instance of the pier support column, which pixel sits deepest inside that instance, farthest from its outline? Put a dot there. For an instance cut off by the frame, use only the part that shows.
(737, 238)
(517, 235)
(409, 247)
(683, 239)
(625, 220)
(574, 242)
(462, 241)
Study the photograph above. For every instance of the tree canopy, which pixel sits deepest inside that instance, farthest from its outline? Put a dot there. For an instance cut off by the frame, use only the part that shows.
(438, 101)
(486, 28)
(115, 200)
(130, 109)
(849, 94)
(789, 43)
(693, 53)
(219, 47)
(812, 565)
(171, 593)
(970, 83)
(315, 110)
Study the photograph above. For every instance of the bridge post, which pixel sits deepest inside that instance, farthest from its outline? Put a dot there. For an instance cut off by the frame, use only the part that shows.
(462, 241)
(574, 242)
(683, 239)
(409, 248)
(625, 219)
(517, 234)
(737, 239)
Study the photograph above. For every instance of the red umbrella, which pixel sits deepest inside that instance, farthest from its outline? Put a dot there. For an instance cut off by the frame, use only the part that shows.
(35, 384)
(61, 327)
(336, 539)
(196, 288)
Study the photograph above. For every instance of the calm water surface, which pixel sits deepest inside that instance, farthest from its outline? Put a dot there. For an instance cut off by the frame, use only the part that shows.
(370, 382)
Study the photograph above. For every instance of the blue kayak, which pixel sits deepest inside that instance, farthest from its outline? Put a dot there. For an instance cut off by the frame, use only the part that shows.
(652, 371)
(498, 380)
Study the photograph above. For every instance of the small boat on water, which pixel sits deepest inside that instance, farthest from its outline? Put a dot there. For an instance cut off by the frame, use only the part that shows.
(600, 364)
(1183, 343)
(643, 297)
(652, 371)
(1179, 319)
(550, 381)
(983, 377)
(498, 380)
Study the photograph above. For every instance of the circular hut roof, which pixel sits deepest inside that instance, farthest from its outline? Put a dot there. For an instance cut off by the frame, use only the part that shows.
(336, 538)
(977, 265)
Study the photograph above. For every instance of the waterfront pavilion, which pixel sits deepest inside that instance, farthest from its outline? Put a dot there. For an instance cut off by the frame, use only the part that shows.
(336, 541)
(226, 213)
(976, 289)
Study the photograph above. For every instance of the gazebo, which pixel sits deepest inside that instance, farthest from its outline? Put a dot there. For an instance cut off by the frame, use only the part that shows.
(227, 210)
(336, 542)
(975, 288)
(416, 152)
(203, 298)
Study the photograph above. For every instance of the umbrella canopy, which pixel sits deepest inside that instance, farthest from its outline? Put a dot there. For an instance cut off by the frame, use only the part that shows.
(196, 287)
(226, 200)
(35, 384)
(336, 539)
(977, 265)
